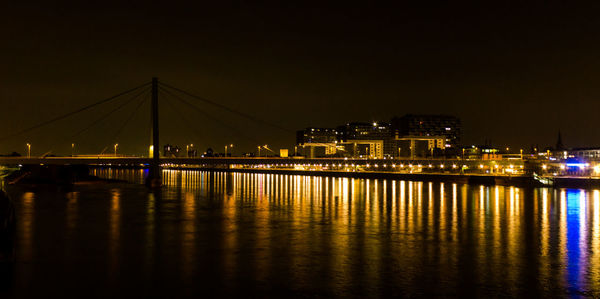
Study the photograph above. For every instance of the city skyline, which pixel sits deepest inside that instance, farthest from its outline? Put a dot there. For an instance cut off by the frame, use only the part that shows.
(204, 145)
(500, 68)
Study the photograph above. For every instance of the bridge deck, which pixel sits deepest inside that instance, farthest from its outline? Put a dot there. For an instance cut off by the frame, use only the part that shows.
(249, 161)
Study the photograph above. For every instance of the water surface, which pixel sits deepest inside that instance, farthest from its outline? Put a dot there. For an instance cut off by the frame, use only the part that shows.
(233, 234)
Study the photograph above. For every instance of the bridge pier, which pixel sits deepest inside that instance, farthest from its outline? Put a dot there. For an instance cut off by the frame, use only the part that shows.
(154, 178)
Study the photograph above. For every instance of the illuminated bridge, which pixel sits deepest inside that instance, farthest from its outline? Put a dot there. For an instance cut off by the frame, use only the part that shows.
(393, 165)
(463, 171)
(324, 166)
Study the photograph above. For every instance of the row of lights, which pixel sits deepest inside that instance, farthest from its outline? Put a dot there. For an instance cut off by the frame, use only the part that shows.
(374, 165)
(72, 149)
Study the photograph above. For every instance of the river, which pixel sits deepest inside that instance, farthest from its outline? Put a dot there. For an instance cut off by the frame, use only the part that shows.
(218, 234)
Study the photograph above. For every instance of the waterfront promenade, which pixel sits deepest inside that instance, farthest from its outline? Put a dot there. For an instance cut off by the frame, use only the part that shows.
(487, 172)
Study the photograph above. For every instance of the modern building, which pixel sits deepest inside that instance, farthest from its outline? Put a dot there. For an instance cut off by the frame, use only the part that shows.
(481, 153)
(584, 153)
(316, 135)
(428, 125)
(316, 142)
(360, 132)
(361, 148)
(419, 146)
(412, 136)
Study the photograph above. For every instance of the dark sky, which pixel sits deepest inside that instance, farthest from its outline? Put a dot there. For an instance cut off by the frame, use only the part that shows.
(513, 73)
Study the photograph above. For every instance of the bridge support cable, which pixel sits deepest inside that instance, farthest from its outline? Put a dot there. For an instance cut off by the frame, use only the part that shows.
(131, 116)
(61, 117)
(208, 115)
(103, 117)
(183, 120)
(239, 113)
(111, 112)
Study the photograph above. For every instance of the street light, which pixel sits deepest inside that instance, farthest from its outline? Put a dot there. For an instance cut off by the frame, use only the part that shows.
(116, 145)
(267, 148)
(230, 146)
(521, 154)
(187, 149)
(72, 149)
(259, 150)
(28, 150)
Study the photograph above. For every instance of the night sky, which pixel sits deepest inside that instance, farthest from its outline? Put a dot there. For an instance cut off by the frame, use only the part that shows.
(514, 73)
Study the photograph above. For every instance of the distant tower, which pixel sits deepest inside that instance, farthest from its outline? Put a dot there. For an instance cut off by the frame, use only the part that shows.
(559, 143)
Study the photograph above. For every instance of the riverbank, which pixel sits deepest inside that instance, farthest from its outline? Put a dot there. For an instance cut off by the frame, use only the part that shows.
(425, 177)
(474, 179)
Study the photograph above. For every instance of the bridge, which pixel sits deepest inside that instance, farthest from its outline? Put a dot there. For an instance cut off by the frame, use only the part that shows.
(319, 164)
(136, 95)
(156, 161)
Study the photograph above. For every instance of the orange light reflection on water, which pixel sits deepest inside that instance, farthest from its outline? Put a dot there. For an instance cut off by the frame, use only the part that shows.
(377, 224)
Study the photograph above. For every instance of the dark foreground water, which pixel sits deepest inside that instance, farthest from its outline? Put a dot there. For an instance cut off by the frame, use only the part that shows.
(209, 234)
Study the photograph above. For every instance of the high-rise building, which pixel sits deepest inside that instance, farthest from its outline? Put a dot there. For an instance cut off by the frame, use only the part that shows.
(428, 125)
(363, 131)
(316, 135)
(379, 133)
(316, 142)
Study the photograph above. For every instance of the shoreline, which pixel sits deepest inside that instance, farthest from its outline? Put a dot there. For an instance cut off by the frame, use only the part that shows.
(474, 179)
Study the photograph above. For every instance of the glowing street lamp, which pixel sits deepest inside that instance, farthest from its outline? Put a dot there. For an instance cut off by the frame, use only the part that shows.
(28, 150)
(187, 149)
(72, 149)
(116, 145)
(226, 146)
(521, 154)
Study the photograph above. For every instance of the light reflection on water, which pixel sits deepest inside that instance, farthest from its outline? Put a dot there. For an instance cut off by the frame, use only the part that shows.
(234, 233)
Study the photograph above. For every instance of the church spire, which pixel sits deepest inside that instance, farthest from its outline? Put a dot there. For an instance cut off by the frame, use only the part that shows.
(559, 143)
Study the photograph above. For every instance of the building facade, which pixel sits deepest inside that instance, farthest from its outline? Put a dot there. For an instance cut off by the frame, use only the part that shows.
(585, 154)
(316, 135)
(360, 131)
(428, 125)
